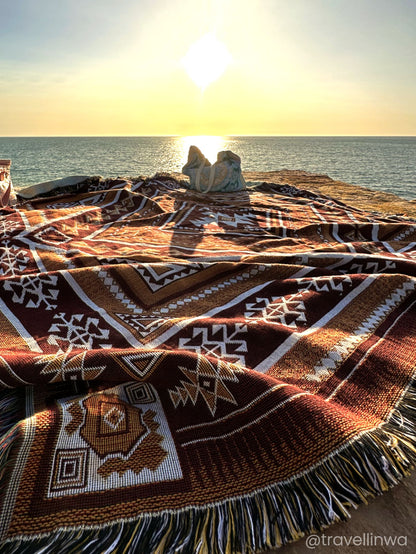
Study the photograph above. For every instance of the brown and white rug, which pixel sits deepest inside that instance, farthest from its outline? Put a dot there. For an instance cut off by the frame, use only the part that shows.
(189, 373)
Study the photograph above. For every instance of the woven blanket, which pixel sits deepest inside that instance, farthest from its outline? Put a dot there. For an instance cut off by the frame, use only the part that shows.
(199, 373)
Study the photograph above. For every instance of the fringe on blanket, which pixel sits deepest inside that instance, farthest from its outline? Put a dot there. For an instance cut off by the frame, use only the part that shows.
(268, 518)
(11, 402)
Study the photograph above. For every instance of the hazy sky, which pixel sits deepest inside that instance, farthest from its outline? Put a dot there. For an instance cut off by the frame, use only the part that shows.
(299, 67)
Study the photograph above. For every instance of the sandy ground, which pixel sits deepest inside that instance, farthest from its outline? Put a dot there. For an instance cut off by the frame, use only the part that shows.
(388, 518)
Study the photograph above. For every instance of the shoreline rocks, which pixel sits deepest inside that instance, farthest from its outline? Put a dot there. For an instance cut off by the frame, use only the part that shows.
(354, 195)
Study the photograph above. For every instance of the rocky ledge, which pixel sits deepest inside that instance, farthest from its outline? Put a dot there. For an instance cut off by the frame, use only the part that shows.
(354, 195)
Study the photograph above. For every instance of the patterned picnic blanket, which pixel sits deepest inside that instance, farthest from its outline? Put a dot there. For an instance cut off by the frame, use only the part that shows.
(188, 372)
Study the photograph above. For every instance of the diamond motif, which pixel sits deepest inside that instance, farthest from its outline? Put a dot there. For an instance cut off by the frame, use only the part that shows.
(114, 417)
(69, 471)
(206, 381)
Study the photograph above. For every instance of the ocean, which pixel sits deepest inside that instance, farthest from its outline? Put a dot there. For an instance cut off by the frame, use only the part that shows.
(385, 164)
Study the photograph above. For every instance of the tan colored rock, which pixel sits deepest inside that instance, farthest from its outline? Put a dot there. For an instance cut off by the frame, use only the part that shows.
(353, 195)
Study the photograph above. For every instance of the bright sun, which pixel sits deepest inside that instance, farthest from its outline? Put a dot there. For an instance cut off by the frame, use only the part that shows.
(206, 60)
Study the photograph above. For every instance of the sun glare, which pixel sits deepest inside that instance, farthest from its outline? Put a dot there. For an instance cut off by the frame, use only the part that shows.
(206, 60)
(208, 144)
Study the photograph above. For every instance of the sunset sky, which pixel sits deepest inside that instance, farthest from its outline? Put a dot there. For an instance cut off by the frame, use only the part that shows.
(292, 67)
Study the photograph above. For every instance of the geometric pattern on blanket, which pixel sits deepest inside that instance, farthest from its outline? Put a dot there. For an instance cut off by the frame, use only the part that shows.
(199, 373)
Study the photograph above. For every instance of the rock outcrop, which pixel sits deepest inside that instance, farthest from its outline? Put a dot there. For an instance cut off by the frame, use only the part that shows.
(354, 195)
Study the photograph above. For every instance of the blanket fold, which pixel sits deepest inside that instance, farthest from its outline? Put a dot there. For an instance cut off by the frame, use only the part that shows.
(182, 372)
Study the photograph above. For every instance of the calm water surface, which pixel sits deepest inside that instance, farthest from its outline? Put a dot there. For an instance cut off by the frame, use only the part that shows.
(380, 163)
